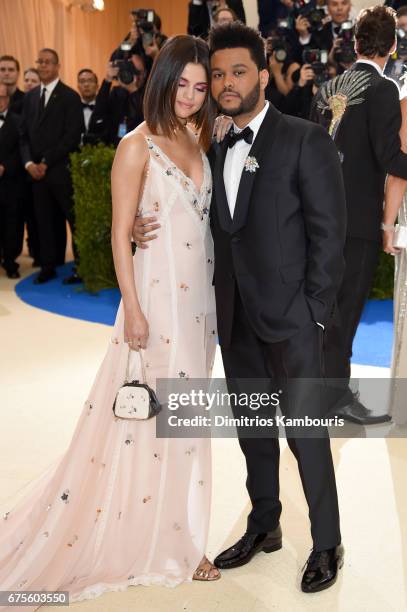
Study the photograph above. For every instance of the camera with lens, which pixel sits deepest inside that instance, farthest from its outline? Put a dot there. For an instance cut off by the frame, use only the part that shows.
(278, 42)
(127, 71)
(309, 10)
(279, 46)
(144, 19)
(318, 60)
(345, 53)
(121, 60)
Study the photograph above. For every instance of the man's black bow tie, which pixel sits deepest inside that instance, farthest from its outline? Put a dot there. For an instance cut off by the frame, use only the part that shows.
(337, 30)
(89, 106)
(246, 134)
(2, 117)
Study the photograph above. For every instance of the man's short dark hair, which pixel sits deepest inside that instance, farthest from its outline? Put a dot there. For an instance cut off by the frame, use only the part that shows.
(52, 52)
(375, 31)
(10, 58)
(237, 35)
(88, 70)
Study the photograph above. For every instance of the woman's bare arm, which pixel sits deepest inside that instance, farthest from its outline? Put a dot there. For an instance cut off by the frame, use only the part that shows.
(395, 188)
(127, 179)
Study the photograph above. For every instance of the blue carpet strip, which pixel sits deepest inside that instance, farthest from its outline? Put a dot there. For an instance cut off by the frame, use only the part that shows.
(372, 345)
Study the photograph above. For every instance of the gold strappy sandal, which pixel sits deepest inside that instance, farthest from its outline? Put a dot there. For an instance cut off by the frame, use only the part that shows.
(203, 571)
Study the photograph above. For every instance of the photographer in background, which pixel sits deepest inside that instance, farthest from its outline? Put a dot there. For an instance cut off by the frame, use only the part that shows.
(122, 106)
(318, 33)
(144, 22)
(316, 70)
(282, 65)
(201, 14)
(270, 11)
(396, 66)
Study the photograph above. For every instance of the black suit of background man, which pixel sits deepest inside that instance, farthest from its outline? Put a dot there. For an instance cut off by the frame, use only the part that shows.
(368, 142)
(11, 192)
(97, 130)
(199, 20)
(278, 266)
(16, 106)
(50, 137)
(16, 101)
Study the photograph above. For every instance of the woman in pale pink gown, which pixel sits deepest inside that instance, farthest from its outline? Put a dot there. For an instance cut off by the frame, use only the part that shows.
(123, 507)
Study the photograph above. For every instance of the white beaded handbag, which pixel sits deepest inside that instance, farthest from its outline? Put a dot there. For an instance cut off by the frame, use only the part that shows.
(136, 400)
(400, 236)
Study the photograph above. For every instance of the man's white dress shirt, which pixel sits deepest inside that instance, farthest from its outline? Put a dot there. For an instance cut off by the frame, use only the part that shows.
(236, 157)
(87, 112)
(49, 89)
(5, 115)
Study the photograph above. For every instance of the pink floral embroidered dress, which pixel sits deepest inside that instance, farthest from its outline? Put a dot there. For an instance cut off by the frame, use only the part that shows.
(123, 507)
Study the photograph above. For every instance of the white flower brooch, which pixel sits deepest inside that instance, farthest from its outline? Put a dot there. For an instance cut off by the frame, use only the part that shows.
(251, 164)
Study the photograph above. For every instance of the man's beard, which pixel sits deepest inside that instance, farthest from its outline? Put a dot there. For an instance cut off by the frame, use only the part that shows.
(247, 104)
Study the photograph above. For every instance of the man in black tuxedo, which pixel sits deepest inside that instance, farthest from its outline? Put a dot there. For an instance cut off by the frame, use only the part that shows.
(366, 133)
(52, 128)
(11, 186)
(95, 124)
(200, 14)
(278, 220)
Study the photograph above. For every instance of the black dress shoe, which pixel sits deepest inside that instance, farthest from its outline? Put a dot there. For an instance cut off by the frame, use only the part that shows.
(249, 545)
(74, 279)
(322, 569)
(44, 276)
(13, 274)
(356, 412)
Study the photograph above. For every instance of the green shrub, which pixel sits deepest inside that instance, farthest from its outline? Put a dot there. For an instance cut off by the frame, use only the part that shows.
(91, 168)
(383, 283)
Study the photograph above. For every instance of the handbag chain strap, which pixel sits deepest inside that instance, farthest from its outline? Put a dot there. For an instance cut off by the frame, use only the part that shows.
(143, 369)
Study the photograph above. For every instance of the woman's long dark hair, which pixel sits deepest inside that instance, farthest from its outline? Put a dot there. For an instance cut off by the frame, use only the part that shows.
(162, 86)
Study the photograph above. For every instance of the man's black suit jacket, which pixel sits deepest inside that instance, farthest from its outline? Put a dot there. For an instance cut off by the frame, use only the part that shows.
(16, 101)
(369, 145)
(55, 134)
(199, 21)
(98, 129)
(283, 251)
(9, 149)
